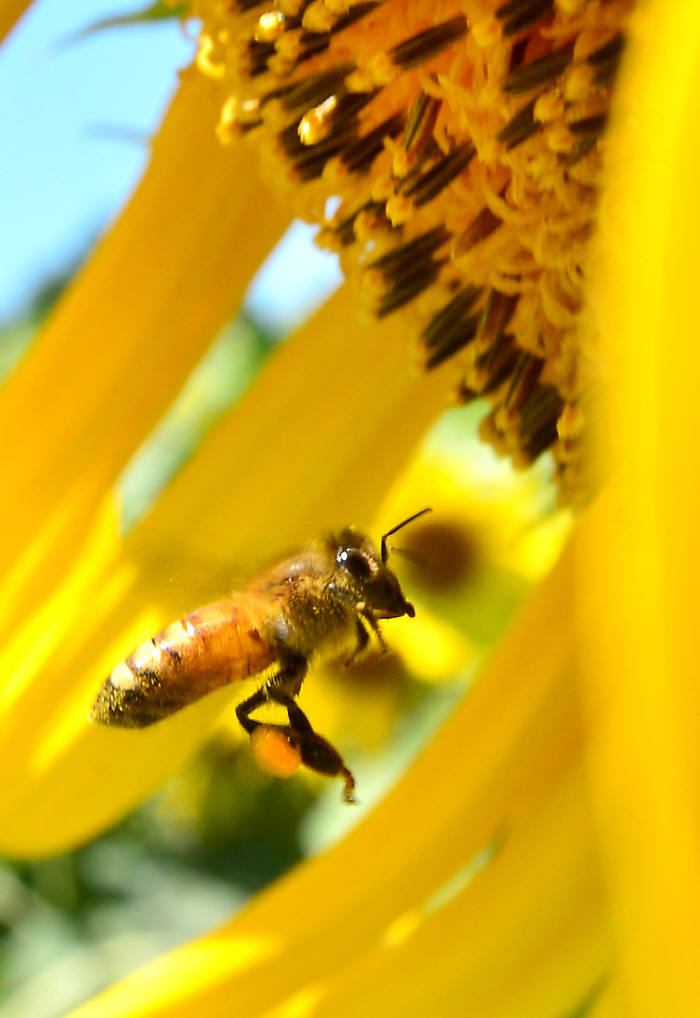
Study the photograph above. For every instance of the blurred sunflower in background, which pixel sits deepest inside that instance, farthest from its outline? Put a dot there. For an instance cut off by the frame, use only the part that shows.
(539, 856)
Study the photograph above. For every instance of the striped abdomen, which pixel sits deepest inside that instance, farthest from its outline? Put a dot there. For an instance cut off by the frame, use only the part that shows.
(203, 651)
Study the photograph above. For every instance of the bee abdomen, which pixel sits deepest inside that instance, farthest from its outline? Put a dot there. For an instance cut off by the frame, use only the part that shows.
(203, 651)
(132, 698)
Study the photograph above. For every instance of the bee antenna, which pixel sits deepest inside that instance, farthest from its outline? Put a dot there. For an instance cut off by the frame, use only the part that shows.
(399, 526)
(409, 554)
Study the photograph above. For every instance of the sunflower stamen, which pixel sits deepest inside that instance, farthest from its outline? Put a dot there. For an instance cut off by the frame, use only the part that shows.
(449, 317)
(479, 229)
(420, 122)
(540, 440)
(520, 127)
(406, 271)
(404, 256)
(316, 88)
(494, 367)
(451, 339)
(590, 127)
(309, 160)
(578, 152)
(424, 46)
(318, 18)
(538, 72)
(410, 286)
(359, 157)
(521, 14)
(331, 116)
(293, 8)
(436, 179)
(495, 317)
(527, 372)
(270, 26)
(606, 61)
(343, 232)
(256, 56)
(543, 407)
(246, 5)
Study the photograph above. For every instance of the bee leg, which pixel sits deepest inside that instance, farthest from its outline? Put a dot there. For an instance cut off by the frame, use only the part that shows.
(246, 708)
(286, 682)
(317, 753)
(361, 645)
(374, 625)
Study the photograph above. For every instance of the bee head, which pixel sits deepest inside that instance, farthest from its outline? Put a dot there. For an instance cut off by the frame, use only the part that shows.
(363, 572)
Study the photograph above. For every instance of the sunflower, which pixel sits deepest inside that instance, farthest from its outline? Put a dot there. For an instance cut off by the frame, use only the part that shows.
(541, 856)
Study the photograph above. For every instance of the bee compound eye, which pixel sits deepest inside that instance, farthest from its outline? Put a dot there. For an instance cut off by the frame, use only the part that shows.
(355, 562)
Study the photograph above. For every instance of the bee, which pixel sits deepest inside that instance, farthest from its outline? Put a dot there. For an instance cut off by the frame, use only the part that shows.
(324, 602)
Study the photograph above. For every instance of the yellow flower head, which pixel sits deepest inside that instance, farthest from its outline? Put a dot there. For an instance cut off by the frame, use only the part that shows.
(541, 857)
(459, 146)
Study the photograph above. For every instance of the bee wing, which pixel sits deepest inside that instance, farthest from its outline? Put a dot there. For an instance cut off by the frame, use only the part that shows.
(209, 648)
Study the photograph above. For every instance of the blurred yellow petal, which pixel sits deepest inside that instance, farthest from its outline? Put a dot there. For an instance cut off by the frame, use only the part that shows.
(610, 1002)
(330, 424)
(486, 851)
(288, 435)
(432, 648)
(640, 570)
(10, 12)
(504, 945)
(124, 338)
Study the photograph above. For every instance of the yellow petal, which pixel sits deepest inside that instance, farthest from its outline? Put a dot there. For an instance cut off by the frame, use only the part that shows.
(457, 893)
(610, 1003)
(277, 470)
(434, 649)
(124, 338)
(640, 569)
(505, 944)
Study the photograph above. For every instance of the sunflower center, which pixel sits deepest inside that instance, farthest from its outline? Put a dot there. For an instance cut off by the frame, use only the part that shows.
(462, 141)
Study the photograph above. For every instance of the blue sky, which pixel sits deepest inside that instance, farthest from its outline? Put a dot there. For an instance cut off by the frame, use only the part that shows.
(74, 119)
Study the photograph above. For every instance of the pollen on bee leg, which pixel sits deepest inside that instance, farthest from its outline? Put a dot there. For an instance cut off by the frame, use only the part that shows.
(273, 752)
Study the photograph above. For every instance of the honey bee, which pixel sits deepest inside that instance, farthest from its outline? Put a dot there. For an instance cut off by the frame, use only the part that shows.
(323, 602)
